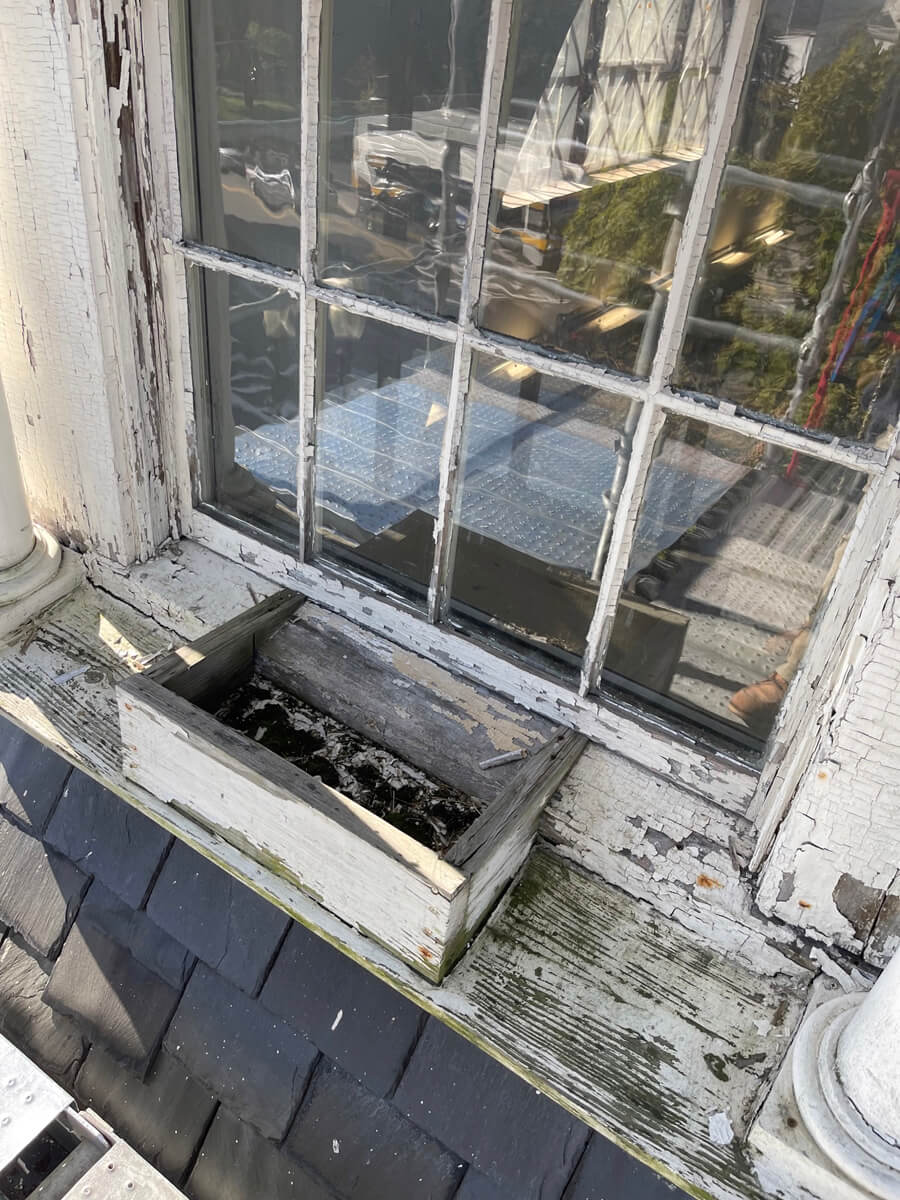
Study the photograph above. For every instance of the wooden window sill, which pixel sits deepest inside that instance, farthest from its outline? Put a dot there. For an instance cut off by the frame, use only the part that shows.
(635, 1023)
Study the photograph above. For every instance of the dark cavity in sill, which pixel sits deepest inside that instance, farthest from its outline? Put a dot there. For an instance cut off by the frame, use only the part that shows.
(403, 795)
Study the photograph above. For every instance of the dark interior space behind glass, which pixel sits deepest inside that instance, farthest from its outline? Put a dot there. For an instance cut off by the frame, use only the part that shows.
(604, 121)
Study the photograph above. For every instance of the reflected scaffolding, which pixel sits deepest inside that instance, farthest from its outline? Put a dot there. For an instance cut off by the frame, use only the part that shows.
(608, 116)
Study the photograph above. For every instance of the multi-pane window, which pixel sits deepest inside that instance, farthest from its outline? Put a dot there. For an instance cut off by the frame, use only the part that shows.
(571, 326)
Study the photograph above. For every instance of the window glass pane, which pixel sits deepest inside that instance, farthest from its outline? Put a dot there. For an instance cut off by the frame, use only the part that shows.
(399, 123)
(246, 92)
(539, 461)
(608, 117)
(736, 545)
(252, 374)
(382, 416)
(796, 314)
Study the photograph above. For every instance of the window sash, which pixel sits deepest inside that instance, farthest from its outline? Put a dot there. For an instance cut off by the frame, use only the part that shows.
(653, 398)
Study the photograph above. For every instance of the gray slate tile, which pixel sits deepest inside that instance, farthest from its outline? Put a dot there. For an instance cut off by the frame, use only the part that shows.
(164, 1117)
(50, 1039)
(107, 838)
(476, 1186)
(104, 979)
(39, 891)
(354, 1018)
(223, 922)
(364, 1148)
(256, 1064)
(509, 1132)
(237, 1163)
(608, 1173)
(31, 777)
(143, 938)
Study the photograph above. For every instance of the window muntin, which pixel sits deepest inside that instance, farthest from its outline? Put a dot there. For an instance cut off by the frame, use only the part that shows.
(539, 460)
(795, 315)
(401, 94)
(252, 359)
(645, 403)
(736, 544)
(607, 119)
(380, 427)
(245, 74)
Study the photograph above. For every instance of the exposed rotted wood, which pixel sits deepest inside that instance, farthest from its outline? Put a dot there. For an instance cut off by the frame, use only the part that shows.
(523, 797)
(574, 985)
(686, 858)
(588, 980)
(710, 770)
(401, 700)
(215, 662)
(292, 823)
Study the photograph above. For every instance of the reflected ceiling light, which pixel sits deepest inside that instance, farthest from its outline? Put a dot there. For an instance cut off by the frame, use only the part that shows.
(512, 370)
(616, 317)
(732, 258)
(773, 236)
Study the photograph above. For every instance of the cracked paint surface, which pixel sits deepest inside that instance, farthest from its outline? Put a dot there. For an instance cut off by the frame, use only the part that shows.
(833, 870)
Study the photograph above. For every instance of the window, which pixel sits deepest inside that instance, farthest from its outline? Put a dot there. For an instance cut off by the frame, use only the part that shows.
(570, 327)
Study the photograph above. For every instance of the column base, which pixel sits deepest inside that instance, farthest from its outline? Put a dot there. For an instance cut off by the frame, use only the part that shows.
(808, 1132)
(47, 574)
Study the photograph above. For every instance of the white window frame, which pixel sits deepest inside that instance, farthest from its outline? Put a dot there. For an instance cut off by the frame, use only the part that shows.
(703, 762)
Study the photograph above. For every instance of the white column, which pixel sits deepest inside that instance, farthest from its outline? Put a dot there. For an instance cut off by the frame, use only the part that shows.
(846, 1075)
(16, 532)
(868, 1055)
(33, 571)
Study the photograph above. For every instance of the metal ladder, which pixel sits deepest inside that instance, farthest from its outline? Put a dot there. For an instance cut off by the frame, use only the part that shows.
(51, 1151)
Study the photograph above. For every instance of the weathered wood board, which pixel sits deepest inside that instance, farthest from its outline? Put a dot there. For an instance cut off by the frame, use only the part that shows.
(366, 871)
(575, 1024)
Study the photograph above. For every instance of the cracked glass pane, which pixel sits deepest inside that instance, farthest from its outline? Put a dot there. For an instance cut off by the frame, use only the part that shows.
(607, 118)
(796, 313)
(401, 97)
(736, 546)
(245, 83)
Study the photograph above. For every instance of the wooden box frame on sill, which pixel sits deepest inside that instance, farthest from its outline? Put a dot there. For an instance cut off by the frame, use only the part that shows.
(421, 905)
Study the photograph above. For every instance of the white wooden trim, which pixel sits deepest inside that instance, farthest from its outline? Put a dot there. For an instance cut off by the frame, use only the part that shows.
(649, 427)
(473, 267)
(849, 617)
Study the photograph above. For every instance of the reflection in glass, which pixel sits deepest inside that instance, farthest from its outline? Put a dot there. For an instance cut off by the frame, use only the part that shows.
(736, 546)
(608, 117)
(381, 419)
(246, 90)
(796, 315)
(398, 129)
(252, 359)
(540, 458)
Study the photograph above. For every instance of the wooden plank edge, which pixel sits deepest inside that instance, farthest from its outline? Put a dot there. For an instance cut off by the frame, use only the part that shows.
(253, 625)
(272, 773)
(539, 776)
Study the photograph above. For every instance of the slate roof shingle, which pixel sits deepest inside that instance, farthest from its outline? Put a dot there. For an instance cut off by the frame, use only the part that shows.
(112, 841)
(272, 1067)
(228, 926)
